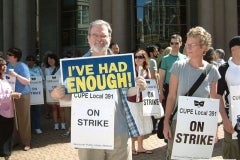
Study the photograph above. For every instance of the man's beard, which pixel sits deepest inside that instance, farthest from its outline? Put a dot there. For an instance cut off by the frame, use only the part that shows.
(99, 47)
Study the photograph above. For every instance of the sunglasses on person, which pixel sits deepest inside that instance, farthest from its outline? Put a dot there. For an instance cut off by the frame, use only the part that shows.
(10, 54)
(174, 43)
(138, 57)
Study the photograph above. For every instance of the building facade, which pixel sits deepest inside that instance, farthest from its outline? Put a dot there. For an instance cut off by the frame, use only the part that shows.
(37, 26)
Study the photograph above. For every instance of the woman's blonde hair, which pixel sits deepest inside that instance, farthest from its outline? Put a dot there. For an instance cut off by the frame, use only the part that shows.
(204, 37)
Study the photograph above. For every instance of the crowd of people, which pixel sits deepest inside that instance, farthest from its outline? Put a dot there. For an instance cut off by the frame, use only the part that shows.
(174, 72)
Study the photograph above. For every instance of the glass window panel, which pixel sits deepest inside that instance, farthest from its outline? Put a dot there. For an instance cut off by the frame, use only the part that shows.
(68, 20)
(157, 20)
(82, 15)
(68, 4)
(75, 20)
(68, 37)
(82, 38)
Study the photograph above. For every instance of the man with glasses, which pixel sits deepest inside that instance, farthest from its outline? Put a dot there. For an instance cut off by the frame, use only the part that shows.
(165, 66)
(99, 37)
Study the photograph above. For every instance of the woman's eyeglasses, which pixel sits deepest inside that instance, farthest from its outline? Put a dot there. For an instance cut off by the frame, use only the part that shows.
(138, 57)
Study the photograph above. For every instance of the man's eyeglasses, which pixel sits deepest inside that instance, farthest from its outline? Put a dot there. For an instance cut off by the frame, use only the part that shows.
(99, 36)
(138, 57)
(174, 43)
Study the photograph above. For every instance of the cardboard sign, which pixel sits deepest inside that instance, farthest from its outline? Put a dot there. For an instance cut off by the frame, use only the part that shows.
(92, 119)
(52, 81)
(36, 93)
(11, 80)
(87, 74)
(235, 106)
(196, 128)
(151, 102)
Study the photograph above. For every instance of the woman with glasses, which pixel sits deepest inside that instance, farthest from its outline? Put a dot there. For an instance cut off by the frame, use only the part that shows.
(142, 69)
(6, 112)
(184, 73)
(20, 70)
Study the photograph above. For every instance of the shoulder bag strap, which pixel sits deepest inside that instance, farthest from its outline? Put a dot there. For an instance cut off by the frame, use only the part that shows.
(195, 85)
(54, 70)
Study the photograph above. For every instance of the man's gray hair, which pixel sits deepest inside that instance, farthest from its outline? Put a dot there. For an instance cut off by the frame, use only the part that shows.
(100, 22)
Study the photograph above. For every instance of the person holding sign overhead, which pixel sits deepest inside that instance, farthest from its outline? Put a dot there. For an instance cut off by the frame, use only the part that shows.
(184, 74)
(99, 38)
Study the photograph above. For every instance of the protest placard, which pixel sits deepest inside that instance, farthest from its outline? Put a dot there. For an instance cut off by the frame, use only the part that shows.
(151, 103)
(92, 124)
(235, 103)
(52, 81)
(196, 128)
(87, 74)
(36, 93)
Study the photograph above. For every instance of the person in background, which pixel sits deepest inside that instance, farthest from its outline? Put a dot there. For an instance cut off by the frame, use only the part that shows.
(99, 37)
(47, 107)
(114, 48)
(141, 60)
(6, 113)
(159, 54)
(20, 70)
(167, 51)
(67, 109)
(164, 70)
(35, 109)
(166, 65)
(210, 56)
(52, 68)
(184, 74)
(230, 76)
(220, 55)
(152, 52)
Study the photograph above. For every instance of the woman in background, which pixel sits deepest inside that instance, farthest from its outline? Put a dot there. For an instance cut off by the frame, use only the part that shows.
(142, 66)
(6, 113)
(184, 74)
(52, 68)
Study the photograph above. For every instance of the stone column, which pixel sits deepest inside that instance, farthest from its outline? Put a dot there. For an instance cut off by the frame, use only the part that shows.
(7, 24)
(24, 27)
(206, 15)
(107, 10)
(95, 10)
(231, 22)
(219, 21)
(49, 26)
(120, 22)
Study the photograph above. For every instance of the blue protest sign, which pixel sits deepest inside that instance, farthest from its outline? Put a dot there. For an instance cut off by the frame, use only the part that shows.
(87, 74)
